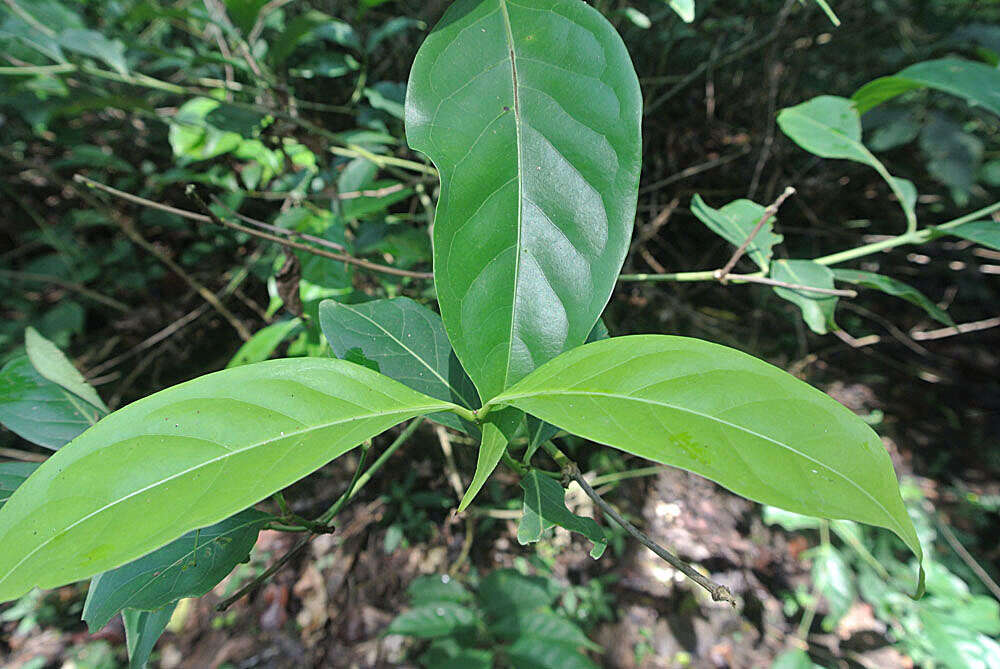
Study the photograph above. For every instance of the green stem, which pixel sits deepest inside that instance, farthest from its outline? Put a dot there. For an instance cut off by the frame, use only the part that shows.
(467, 414)
(339, 504)
(556, 454)
(614, 477)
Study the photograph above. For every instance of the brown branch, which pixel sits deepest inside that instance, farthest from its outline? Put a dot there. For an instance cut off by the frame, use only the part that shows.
(68, 285)
(769, 213)
(962, 328)
(277, 230)
(202, 218)
(26, 456)
(749, 278)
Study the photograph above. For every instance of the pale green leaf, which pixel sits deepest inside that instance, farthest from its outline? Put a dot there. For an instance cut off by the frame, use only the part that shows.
(264, 342)
(830, 127)
(794, 659)
(684, 9)
(735, 221)
(545, 506)
(817, 308)
(531, 112)
(896, 288)
(142, 630)
(52, 364)
(187, 457)
(187, 567)
(497, 430)
(977, 83)
(725, 415)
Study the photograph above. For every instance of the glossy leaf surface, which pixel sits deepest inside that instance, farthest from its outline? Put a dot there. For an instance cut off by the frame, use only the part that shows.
(187, 567)
(977, 83)
(545, 506)
(896, 288)
(725, 415)
(530, 110)
(187, 457)
(830, 127)
(735, 221)
(53, 364)
(408, 343)
(817, 308)
(39, 410)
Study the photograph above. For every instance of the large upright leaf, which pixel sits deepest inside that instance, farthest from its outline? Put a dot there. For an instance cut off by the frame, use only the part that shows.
(408, 343)
(187, 457)
(53, 364)
(735, 221)
(830, 127)
(531, 112)
(978, 83)
(187, 567)
(723, 414)
(39, 410)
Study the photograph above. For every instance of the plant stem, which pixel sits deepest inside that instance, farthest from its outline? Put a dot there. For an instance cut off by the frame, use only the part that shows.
(719, 593)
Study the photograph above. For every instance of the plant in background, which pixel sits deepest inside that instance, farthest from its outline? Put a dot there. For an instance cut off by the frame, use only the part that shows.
(531, 112)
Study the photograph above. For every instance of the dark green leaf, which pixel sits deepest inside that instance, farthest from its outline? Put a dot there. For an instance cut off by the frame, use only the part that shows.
(545, 506)
(391, 27)
(94, 44)
(890, 128)
(726, 415)
(817, 308)
(447, 653)
(734, 223)
(830, 127)
(437, 588)
(977, 83)
(895, 288)
(188, 457)
(433, 620)
(536, 653)
(506, 591)
(985, 233)
(541, 625)
(39, 410)
(294, 33)
(13, 474)
(953, 155)
(187, 567)
(539, 173)
(142, 630)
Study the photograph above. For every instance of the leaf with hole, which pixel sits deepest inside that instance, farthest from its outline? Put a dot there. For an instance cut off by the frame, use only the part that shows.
(187, 457)
(896, 288)
(725, 415)
(545, 506)
(735, 221)
(830, 127)
(187, 567)
(530, 111)
(977, 83)
(817, 308)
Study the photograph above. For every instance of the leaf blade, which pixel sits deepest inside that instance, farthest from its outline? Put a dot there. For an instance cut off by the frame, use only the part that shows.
(896, 288)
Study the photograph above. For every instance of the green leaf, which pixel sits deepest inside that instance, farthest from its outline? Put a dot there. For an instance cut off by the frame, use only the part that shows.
(187, 567)
(794, 659)
(734, 223)
(433, 620)
(244, 13)
(832, 578)
(391, 27)
(977, 83)
(539, 175)
(94, 44)
(142, 630)
(817, 308)
(437, 588)
(52, 364)
(39, 410)
(294, 33)
(684, 9)
(408, 343)
(264, 342)
(542, 625)
(448, 654)
(187, 457)
(953, 156)
(830, 127)
(890, 128)
(505, 591)
(537, 653)
(497, 430)
(725, 415)
(545, 506)
(891, 286)
(984, 233)
(13, 474)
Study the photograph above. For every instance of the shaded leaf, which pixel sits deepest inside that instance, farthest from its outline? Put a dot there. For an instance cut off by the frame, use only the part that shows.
(831, 577)
(294, 33)
(52, 364)
(684, 9)
(895, 288)
(13, 474)
(735, 221)
(817, 309)
(545, 506)
(953, 156)
(977, 83)
(538, 147)
(830, 127)
(537, 653)
(142, 630)
(187, 567)
(506, 591)
(437, 588)
(94, 44)
(433, 620)
(187, 457)
(725, 415)
(984, 233)
(448, 654)
(542, 625)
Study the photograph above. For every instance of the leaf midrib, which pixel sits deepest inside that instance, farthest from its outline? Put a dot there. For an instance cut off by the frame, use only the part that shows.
(438, 407)
(506, 399)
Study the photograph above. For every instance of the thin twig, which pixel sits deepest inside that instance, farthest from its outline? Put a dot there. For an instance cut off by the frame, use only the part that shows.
(68, 285)
(967, 558)
(768, 214)
(451, 471)
(277, 230)
(750, 278)
(962, 328)
(26, 456)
